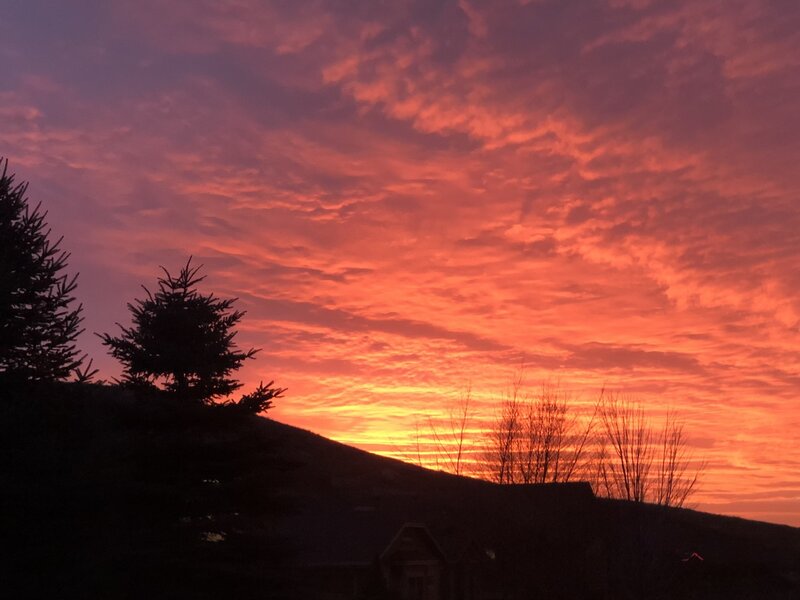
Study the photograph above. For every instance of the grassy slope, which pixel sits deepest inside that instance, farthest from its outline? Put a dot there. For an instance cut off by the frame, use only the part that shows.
(109, 496)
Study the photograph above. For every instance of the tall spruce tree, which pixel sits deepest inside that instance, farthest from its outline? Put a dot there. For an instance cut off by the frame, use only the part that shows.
(181, 340)
(38, 324)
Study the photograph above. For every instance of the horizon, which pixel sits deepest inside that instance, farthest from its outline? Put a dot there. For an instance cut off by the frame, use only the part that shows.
(416, 198)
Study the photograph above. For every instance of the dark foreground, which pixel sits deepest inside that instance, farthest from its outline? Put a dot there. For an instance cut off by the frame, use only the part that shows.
(110, 496)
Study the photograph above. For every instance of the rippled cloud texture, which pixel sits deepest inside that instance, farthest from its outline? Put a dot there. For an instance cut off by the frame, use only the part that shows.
(410, 196)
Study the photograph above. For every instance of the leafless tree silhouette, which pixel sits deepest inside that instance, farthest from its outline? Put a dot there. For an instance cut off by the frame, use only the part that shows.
(537, 437)
(625, 470)
(450, 439)
(501, 438)
(541, 437)
(638, 463)
(446, 440)
(675, 479)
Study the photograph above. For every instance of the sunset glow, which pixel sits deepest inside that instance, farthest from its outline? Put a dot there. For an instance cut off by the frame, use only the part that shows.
(409, 198)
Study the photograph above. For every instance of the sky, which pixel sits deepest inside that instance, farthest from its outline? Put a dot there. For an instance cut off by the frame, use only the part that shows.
(413, 198)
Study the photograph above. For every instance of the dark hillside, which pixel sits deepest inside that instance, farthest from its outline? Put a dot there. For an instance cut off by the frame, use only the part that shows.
(680, 553)
(110, 496)
(552, 539)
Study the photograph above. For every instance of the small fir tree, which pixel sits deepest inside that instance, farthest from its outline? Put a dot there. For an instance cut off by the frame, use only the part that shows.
(181, 340)
(38, 324)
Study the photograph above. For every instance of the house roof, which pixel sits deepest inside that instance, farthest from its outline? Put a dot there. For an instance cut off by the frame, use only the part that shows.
(421, 530)
(346, 532)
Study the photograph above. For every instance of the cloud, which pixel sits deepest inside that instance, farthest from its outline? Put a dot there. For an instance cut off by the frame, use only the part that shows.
(608, 356)
(340, 320)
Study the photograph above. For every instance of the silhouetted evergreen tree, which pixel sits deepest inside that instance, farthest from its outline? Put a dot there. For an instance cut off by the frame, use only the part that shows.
(38, 327)
(260, 399)
(181, 340)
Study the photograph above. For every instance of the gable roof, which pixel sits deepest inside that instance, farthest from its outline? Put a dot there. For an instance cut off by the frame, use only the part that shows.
(421, 530)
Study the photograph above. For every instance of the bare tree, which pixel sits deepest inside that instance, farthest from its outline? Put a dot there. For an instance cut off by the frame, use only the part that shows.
(418, 444)
(543, 436)
(502, 453)
(636, 463)
(540, 437)
(675, 481)
(445, 442)
(626, 473)
(537, 438)
(450, 440)
(577, 462)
